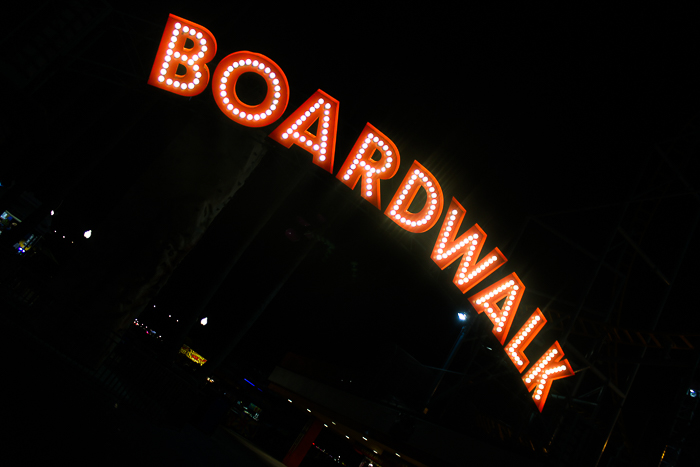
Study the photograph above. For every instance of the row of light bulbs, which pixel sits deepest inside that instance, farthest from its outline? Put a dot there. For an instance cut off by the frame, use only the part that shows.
(271, 78)
(499, 320)
(370, 166)
(326, 425)
(292, 130)
(520, 338)
(471, 240)
(538, 393)
(471, 243)
(418, 176)
(189, 60)
(533, 374)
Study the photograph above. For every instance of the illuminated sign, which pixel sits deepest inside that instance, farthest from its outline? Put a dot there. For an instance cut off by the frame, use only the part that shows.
(225, 77)
(192, 355)
(294, 130)
(360, 165)
(180, 67)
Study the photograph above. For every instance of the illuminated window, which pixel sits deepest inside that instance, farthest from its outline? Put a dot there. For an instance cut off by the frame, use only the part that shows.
(294, 130)
(361, 164)
(447, 249)
(180, 64)
(417, 177)
(224, 89)
(509, 290)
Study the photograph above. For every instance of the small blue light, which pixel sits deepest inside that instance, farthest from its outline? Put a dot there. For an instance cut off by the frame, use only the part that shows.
(248, 382)
(692, 393)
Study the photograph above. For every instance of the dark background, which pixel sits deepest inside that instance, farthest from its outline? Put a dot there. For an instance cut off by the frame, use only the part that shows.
(554, 113)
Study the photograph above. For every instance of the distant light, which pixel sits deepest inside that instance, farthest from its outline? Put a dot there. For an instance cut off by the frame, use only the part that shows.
(52, 212)
(88, 233)
(364, 438)
(289, 400)
(398, 454)
(347, 436)
(308, 410)
(692, 393)
(462, 316)
(323, 424)
(489, 348)
(204, 321)
(333, 423)
(248, 382)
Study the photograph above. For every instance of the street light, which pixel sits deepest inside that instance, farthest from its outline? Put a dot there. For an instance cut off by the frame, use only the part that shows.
(204, 321)
(463, 319)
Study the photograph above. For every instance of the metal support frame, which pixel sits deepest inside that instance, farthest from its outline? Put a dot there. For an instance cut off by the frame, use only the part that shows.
(685, 413)
(647, 337)
(653, 327)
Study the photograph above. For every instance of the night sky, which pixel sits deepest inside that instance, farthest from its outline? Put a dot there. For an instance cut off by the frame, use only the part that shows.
(521, 112)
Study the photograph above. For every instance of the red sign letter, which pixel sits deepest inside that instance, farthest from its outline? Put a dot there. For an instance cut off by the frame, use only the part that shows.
(361, 164)
(468, 245)
(417, 177)
(522, 339)
(294, 130)
(511, 290)
(174, 53)
(547, 369)
(224, 89)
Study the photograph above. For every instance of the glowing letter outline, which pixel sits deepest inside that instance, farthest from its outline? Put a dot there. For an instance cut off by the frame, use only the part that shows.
(511, 288)
(172, 52)
(549, 367)
(369, 141)
(422, 221)
(224, 81)
(468, 245)
(294, 130)
(527, 332)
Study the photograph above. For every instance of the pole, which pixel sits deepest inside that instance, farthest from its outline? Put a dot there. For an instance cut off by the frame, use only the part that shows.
(445, 367)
